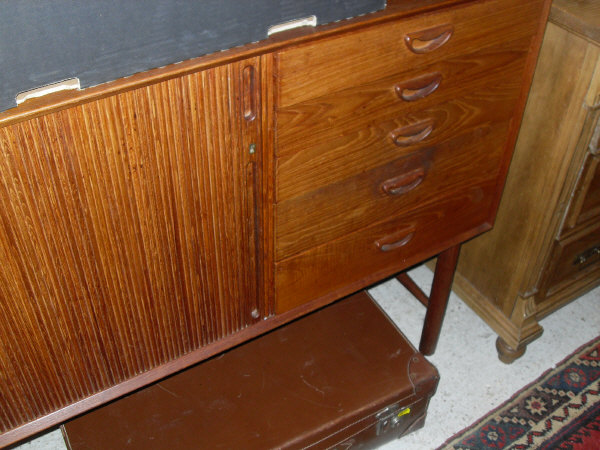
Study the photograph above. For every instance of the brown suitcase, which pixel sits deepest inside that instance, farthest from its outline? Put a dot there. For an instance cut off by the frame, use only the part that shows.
(341, 377)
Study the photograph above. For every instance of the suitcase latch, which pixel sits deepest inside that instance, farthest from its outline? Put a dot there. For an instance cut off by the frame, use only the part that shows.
(390, 418)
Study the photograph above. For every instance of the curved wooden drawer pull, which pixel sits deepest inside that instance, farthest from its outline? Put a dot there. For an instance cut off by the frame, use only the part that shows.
(395, 241)
(428, 40)
(412, 134)
(404, 183)
(419, 87)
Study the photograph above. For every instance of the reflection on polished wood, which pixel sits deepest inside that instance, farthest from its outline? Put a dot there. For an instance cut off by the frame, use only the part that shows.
(123, 227)
(152, 222)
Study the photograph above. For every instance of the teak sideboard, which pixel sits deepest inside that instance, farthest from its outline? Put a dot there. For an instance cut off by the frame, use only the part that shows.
(151, 222)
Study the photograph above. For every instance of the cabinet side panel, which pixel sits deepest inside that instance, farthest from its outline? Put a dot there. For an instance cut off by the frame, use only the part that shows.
(126, 234)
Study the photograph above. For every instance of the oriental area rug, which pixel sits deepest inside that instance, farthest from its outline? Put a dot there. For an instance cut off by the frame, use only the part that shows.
(560, 410)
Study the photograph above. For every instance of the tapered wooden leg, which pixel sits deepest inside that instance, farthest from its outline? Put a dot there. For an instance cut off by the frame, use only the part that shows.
(438, 299)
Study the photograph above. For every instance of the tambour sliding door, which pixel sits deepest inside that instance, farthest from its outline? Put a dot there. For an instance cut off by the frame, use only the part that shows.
(127, 236)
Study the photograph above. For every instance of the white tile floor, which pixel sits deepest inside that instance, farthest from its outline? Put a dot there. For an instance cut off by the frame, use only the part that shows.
(473, 380)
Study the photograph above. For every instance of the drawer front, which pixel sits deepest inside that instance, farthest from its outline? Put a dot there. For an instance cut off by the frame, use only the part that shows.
(350, 263)
(323, 142)
(400, 93)
(386, 49)
(423, 177)
(573, 258)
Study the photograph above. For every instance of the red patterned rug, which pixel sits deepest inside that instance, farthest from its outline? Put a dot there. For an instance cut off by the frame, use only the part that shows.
(560, 410)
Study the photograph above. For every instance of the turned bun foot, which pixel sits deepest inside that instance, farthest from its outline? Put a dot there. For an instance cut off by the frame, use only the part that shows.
(507, 354)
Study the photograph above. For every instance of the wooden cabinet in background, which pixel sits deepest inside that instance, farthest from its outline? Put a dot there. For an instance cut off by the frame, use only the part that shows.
(157, 220)
(544, 250)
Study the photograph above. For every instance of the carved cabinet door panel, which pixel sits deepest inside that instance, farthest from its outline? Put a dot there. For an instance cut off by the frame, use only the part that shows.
(127, 236)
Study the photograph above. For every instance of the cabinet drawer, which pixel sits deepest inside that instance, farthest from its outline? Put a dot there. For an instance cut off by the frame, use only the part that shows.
(573, 258)
(426, 176)
(313, 158)
(401, 93)
(347, 264)
(378, 52)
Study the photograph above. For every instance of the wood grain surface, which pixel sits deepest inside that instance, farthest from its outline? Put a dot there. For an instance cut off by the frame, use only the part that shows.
(126, 238)
(340, 63)
(141, 220)
(352, 262)
(517, 273)
(340, 208)
(330, 154)
(580, 17)
(459, 75)
(547, 133)
(585, 206)
(574, 258)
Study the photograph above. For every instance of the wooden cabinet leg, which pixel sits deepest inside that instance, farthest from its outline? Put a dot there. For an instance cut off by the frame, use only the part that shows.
(506, 353)
(438, 299)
